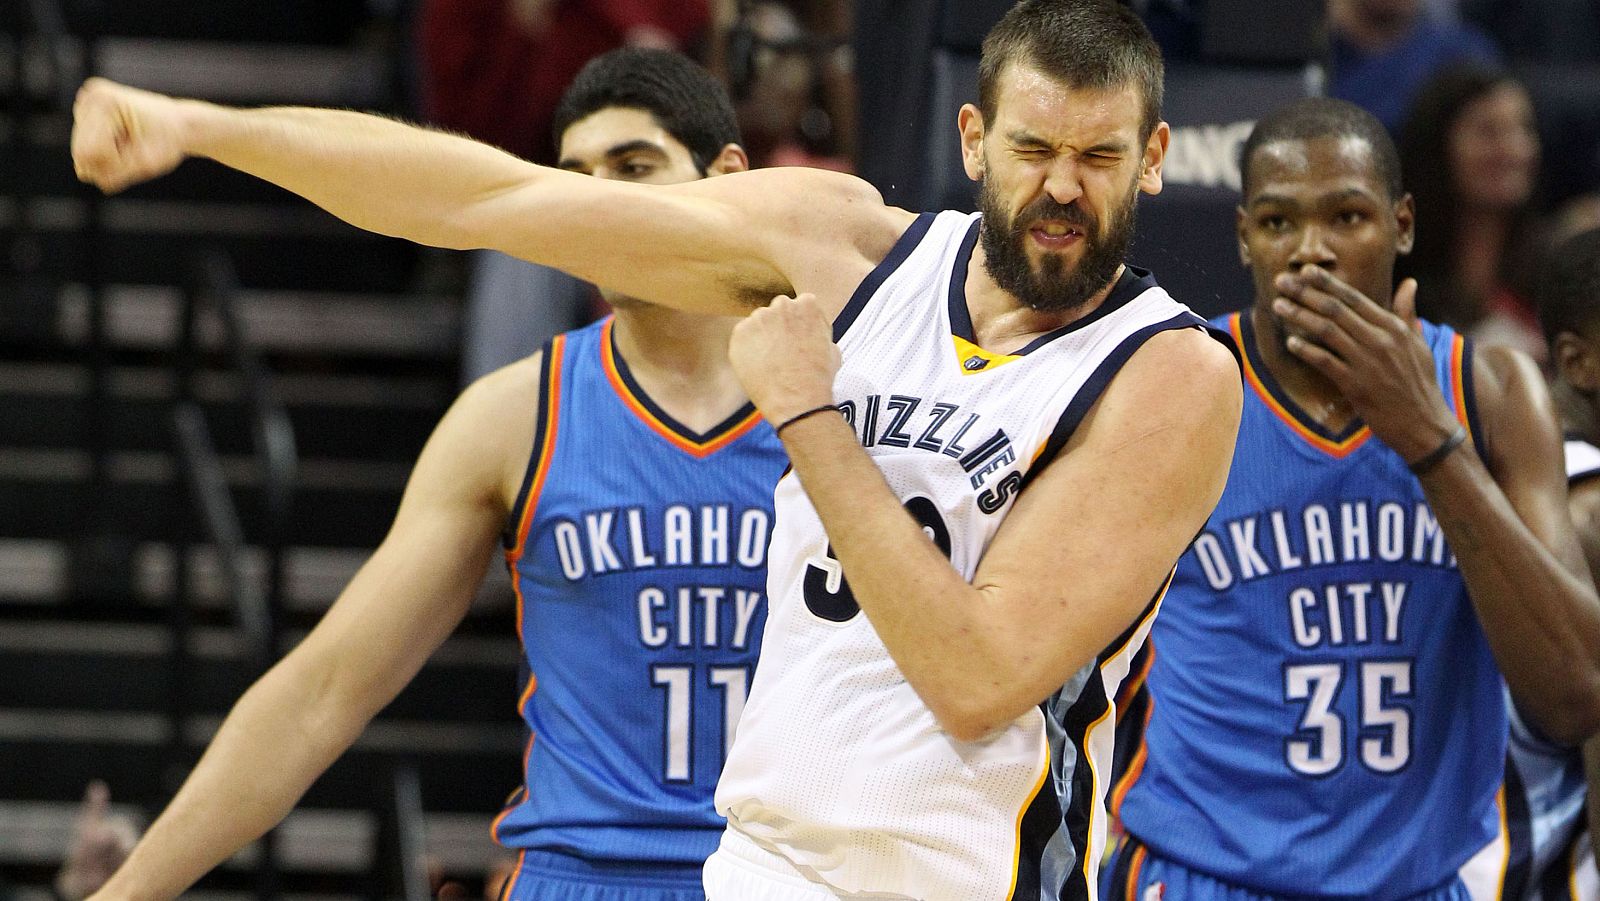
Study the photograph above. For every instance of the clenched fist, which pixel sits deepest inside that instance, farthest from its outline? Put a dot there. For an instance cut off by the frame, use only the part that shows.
(785, 357)
(122, 136)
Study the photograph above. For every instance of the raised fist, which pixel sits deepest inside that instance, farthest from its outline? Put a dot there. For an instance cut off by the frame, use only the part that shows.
(122, 136)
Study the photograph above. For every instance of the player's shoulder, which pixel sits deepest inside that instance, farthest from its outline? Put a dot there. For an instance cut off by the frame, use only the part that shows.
(1506, 383)
(848, 205)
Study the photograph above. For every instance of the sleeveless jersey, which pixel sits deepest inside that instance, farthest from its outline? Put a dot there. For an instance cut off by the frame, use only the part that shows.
(1545, 844)
(839, 768)
(638, 553)
(1325, 716)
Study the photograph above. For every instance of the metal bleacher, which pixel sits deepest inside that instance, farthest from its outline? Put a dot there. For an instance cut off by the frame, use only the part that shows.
(357, 339)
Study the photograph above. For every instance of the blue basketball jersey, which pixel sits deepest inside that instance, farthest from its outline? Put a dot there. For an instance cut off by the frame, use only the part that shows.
(638, 551)
(1325, 716)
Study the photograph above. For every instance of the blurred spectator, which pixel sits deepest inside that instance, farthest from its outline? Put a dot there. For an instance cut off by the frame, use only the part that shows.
(1469, 154)
(101, 841)
(788, 67)
(495, 70)
(1381, 52)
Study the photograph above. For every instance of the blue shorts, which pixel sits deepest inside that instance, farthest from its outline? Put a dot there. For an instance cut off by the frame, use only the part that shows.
(544, 876)
(1137, 874)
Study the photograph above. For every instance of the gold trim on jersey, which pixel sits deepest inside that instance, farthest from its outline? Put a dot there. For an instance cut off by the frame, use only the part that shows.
(975, 359)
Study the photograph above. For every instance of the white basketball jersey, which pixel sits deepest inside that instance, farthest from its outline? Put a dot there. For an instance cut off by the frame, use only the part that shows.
(838, 767)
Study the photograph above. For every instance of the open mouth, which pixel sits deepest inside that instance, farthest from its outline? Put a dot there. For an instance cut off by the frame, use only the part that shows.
(1056, 235)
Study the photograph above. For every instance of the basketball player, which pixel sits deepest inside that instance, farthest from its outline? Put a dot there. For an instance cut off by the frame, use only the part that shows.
(1551, 850)
(631, 482)
(988, 494)
(1326, 716)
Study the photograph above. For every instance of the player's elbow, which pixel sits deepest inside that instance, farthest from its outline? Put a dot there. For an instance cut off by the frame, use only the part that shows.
(1573, 715)
(972, 715)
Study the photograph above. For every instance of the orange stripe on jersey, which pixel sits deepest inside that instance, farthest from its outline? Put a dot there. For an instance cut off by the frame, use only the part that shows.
(1505, 832)
(551, 405)
(695, 448)
(1119, 792)
(511, 881)
(1135, 864)
(1337, 449)
(1016, 853)
(1458, 381)
(527, 751)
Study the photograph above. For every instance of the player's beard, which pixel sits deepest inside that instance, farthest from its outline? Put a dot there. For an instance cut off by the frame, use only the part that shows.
(1053, 287)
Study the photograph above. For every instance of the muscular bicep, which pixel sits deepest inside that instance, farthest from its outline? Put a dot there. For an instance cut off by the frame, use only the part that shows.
(1093, 539)
(1524, 449)
(718, 245)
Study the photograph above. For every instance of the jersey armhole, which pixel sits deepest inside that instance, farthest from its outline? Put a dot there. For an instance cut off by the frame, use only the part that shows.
(1469, 399)
(907, 242)
(544, 429)
(1096, 384)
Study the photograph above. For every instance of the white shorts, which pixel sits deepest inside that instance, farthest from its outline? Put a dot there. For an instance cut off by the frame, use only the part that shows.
(741, 870)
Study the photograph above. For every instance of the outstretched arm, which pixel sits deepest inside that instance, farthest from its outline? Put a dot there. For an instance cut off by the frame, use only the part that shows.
(718, 245)
(299, 717)
(1502, 508)
(1136, 482)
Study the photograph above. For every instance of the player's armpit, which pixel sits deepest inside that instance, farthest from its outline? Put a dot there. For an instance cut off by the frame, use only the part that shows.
(1094, 538)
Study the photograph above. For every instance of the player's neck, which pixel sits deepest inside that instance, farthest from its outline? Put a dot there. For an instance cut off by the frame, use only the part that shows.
(1577, 412)
(681, 361)
(1309, 389)
(1002, 324)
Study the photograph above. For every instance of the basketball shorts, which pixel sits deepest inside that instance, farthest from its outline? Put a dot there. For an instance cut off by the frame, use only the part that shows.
(543, 876)
(1137, 874)
(741, 870)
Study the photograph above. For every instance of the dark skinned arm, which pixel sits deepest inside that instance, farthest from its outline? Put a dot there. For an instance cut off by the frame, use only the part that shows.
(1505, 516)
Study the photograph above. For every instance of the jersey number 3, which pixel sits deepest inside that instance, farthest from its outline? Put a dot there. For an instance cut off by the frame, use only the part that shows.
(827, 592)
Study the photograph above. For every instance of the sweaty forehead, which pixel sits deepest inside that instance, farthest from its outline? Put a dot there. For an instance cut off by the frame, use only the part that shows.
(1310, 163)
(1045, 107)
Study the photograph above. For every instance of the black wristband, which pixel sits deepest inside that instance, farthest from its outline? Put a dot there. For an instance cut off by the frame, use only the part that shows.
(1426, 464)
(799, 416)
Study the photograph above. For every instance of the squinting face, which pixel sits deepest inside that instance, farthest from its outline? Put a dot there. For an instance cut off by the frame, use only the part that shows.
(1494, 150)
(1321, 202)
(1060, 170)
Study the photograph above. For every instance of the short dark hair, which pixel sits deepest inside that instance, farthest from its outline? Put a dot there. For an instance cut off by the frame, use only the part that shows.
(1324, 117)
(1569, 293)
(1095, 44)
(684, 98)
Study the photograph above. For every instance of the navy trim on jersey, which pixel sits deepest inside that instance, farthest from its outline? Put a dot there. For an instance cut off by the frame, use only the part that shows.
(683, 431)
(1040, 823)
(508, 535)
(1469, 394)
(1519, 833)
(1252, 350)
(902, 248)
(1090, 706)
(1096, 384)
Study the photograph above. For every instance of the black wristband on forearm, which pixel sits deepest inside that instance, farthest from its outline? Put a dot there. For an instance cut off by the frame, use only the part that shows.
(778, 430)
(1426, 464)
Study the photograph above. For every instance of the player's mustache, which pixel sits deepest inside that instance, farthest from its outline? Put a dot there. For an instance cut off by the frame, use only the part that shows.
(1050, 208)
